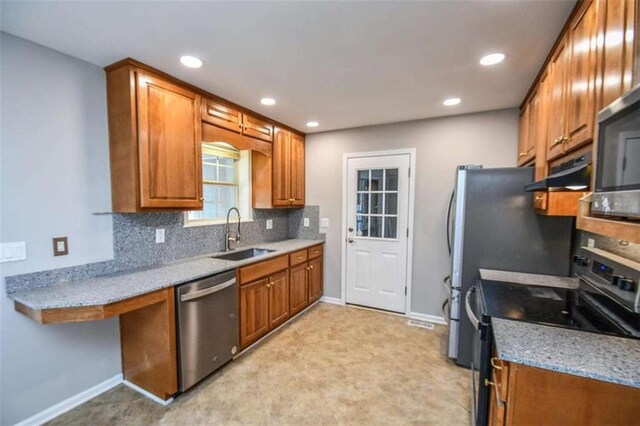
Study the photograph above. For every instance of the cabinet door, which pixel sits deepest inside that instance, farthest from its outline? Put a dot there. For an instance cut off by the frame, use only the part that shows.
(221, 116)
(281, 169)
(298, 292)
(278, 299)
(297, 170)
(254, 311)
(556, 135)
(257, 128)
(315, 279)
(526, 152)
(581, 78)
(615, 55)
(169, 145)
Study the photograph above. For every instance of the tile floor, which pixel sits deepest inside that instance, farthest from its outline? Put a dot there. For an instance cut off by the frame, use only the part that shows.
(333, 365)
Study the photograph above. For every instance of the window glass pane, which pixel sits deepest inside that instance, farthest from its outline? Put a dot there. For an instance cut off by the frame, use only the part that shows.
(375, 226)
(376, 203)
(363, 180)
(362, 226)
(218, 199)
(376, 179)
(390, 227)
(391, 203)
(209, 169)
(227, 174)
(391, 177)
(225, 161)
(363, 203)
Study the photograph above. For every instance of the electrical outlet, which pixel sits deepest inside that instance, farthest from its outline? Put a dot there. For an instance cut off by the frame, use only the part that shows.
(305, 222)
(160, 235)
(60, 246)
(324, 222)
(269, 223)
(13, 252)
(591, 242)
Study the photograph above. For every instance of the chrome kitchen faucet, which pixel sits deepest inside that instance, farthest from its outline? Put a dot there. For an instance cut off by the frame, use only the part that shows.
(228, 238)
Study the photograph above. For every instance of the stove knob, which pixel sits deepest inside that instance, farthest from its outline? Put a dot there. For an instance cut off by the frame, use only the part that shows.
(615, 280)
(576, 258)
(627, 284)
(583, 262)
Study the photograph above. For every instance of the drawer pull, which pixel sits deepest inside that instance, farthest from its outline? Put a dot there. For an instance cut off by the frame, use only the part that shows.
(299, 258)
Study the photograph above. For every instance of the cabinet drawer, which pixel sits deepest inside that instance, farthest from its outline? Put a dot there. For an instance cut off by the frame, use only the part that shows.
(221, 116)
(297, 257)
(261, 269)
(315, 251)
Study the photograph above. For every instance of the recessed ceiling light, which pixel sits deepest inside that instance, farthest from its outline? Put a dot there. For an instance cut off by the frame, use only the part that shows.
(492, 59)
(190, 61)
(452, 101)
(268, 101)
(312, 124)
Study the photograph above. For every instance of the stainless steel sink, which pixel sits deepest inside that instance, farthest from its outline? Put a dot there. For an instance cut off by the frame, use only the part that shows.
(243, 254)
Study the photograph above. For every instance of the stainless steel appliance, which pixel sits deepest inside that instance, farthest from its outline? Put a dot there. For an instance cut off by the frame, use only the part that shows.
(494, 226)
(617, 188)
(606, 302)
(208, 329)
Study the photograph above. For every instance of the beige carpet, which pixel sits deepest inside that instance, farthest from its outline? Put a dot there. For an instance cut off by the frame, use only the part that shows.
(333, 365)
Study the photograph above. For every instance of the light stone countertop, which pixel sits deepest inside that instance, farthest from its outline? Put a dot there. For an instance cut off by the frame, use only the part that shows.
(111, 288)
(529, 279)
(581, 353)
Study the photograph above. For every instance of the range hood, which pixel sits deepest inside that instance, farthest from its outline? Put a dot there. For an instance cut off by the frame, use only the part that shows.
(574, 174)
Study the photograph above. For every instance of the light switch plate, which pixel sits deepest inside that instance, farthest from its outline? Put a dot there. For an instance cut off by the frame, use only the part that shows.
(13, 252)
(305, 222)
(160, 235)
(269, 223)
(324, 222)
(591, 242)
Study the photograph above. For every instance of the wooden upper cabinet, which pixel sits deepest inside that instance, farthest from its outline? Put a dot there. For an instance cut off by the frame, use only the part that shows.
(557, 122)
(297, 170)
(617, 21)
(582, 76)
(155, 142)
(257, 128)
(281, 169)
(528, 131)
(523, 135)
(221, 116)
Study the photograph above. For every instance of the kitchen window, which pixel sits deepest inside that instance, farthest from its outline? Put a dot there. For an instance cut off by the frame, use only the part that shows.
(226, 183)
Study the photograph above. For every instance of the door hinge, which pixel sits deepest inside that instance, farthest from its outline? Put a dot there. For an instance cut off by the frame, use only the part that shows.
(407, 232)
(405, 291)
(409, 171)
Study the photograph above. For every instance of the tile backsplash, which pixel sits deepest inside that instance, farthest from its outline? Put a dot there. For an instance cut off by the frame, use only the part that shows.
(134, 243)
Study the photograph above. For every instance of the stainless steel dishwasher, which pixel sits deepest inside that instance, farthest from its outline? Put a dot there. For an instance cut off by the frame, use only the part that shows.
(208, 329)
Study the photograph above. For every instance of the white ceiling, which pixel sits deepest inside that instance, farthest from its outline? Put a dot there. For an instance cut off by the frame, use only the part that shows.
(344, 64)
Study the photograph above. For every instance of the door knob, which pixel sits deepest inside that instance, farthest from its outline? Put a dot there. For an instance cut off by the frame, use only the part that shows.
(350, 229)
(349, 240)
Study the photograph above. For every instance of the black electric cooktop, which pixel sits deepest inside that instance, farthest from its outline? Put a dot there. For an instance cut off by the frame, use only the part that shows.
(571, 308)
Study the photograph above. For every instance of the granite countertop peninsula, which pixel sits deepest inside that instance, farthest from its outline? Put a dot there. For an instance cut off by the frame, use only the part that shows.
(581, 353)
(105, 289)
(529, 279)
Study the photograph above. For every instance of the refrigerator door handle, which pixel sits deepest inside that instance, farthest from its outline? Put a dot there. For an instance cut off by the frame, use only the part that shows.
(453, 194)
(467, 305)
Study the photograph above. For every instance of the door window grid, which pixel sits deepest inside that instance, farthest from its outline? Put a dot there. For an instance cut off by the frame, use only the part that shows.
(377, 203)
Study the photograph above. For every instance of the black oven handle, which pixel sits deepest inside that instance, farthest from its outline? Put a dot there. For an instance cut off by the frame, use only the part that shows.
(467, 305)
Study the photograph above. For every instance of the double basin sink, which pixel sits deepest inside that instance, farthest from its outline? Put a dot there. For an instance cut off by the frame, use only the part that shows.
(243, 254)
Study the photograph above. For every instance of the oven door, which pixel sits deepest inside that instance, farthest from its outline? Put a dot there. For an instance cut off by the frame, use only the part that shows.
(481, 356)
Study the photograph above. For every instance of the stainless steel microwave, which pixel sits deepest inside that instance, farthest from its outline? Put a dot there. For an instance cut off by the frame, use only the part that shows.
(617, 180)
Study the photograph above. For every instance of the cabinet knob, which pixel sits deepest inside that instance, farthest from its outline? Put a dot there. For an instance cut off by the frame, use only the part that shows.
(268, 285)
(494, 365)
(310, 267)
(201, 198)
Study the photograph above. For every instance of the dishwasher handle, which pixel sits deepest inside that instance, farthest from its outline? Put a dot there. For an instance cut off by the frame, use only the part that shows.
(467, 305)
(207, 291)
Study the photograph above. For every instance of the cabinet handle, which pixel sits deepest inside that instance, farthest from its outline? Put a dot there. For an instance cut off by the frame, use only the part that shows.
(556, 142)
(310, 267)
(522, 154)
(268, 285)
(488, 383)
(299, 258)
(494, 365)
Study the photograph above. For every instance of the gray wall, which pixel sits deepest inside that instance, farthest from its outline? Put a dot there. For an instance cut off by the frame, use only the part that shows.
(488, 138)
(54, 174)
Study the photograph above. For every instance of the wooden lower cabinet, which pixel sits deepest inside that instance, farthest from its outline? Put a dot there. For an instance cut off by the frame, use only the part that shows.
(278, 299)
(315, 279)
(523, 395)
(298, 288)
(254, 311)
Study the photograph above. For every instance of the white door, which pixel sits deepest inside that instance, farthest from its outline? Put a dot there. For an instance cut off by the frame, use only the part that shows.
(377, 221)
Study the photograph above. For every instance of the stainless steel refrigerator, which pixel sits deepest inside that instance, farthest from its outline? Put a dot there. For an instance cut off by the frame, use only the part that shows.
(491, 224)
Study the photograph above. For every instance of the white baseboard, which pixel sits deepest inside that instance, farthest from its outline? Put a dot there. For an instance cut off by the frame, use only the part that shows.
(148, 394)
(429, 318)
(332, 300)
(72, 402)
